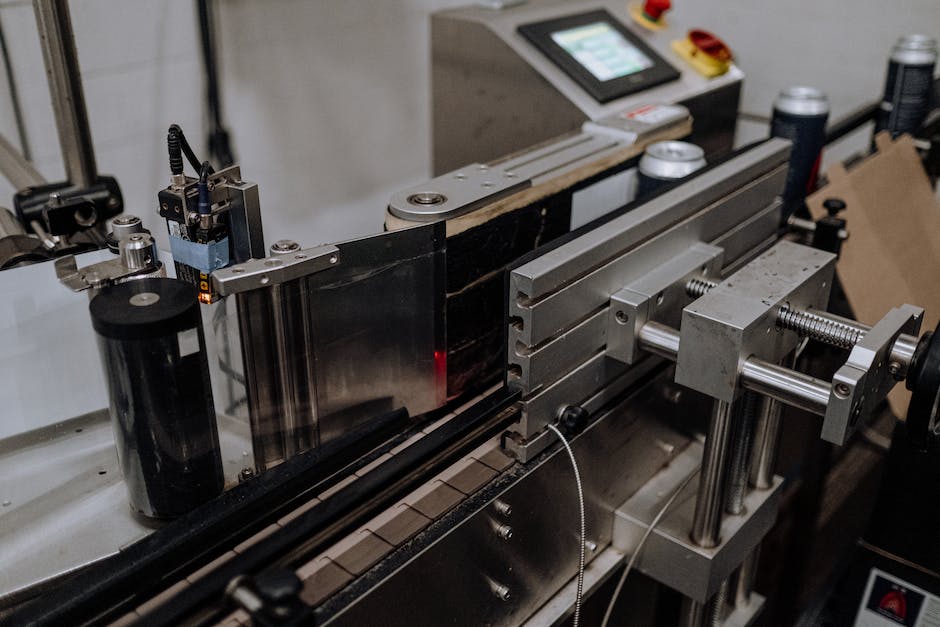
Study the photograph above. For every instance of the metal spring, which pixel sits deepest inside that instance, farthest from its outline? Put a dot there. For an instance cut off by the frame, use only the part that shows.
(819, 328)
(748, 409)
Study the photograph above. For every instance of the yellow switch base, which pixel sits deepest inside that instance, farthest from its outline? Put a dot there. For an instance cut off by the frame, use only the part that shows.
(704, 64)
(636, 12)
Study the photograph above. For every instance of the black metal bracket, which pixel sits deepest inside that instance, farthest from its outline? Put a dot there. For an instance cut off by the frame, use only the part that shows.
(64, 209)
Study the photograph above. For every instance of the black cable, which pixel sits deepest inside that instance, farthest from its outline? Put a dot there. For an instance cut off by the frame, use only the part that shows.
(177, 146)
(220, 148)
(14, 97)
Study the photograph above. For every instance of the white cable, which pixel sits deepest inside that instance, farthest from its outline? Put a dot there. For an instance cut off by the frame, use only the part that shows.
(639, 546)
(577, 480)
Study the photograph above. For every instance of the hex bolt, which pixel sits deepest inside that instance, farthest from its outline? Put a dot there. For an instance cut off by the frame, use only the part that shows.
(426, 198)
(284, 246)
(502, 592)
(502, 508)
(504, 531)
(246, 474)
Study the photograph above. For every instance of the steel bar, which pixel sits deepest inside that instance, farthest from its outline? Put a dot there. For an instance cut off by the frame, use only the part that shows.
(744, 582)
(764, 451)
(65, 89)
(709, 504)
(691, 613)
(659, 339)
(285, 421)
(15, 167)
(788, 386)
(261, 382)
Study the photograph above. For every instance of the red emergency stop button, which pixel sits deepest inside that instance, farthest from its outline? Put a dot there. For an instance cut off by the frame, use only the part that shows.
(654, 9)
(710, 44)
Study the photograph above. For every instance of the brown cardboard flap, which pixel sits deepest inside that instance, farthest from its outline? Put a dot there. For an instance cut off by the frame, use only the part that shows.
(892, 255)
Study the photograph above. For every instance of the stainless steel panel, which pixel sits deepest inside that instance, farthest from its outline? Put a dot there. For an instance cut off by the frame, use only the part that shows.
(617, 455)
(494, 93)
(63, 503)
(377, 323)
(510, 108)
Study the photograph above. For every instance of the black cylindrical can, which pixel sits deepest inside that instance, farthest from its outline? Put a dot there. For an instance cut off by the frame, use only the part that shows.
(908, 86)
(666, 162)
(800, 115)
(153, 349)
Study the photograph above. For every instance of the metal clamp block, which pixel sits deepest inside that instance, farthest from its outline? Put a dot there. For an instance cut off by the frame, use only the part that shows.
(866, 377)
(256, 273)
(669, 555)
(737, 319)
(456, 193)
(659, 295)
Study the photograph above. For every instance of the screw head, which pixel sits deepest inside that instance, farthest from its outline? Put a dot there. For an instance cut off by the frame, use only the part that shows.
(284, 246)
(842, 390)
(504, 532)
(426, 198)
(833, 205)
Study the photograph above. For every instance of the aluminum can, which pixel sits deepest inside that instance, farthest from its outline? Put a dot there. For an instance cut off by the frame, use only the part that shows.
(800, 115)
(908, 85)
(666, 162)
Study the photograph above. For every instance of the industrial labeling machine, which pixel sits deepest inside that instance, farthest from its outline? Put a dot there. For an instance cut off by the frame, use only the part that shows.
(579, 377)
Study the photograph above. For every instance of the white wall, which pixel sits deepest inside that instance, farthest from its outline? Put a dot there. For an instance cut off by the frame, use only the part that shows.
(327, 100)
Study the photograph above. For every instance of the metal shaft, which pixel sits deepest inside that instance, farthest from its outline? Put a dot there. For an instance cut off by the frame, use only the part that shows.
(764, 451)
(65, 88)
(791, 387)
(744, 582)
(824, 327)
(709, 504)
(16, 169)
(261, 381)
(288, 422)
(691, 614)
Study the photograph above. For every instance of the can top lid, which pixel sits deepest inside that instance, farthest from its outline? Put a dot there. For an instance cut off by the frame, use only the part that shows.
(145, 309)
(802, 100)
(671, 159)
(915, 50)
(917, 42)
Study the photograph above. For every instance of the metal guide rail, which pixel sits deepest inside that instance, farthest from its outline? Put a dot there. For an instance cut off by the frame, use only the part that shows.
(697, 277)
(559, 301)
